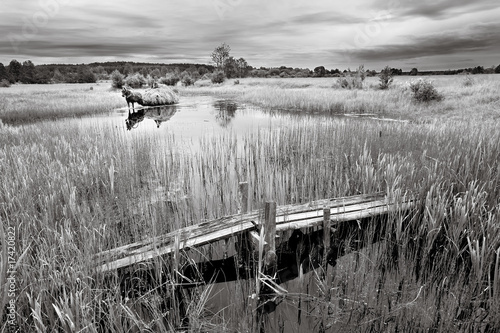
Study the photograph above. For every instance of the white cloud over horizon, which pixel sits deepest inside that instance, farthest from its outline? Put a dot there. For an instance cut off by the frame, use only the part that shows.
(428, 35)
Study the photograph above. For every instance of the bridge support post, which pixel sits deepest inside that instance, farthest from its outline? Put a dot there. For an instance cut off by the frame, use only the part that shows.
(243, 246)
(326, 238)
(267, 266)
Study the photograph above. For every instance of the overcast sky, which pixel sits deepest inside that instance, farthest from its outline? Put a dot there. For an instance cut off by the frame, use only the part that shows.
(404, 34)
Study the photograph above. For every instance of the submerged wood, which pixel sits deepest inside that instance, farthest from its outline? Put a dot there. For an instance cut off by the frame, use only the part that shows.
(288, 217)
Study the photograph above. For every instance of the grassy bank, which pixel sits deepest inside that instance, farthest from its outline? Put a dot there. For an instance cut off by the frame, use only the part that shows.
(460, 99)
(71, 190)
(30, 103)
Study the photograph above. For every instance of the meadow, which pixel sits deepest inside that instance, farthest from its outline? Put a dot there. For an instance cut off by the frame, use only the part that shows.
(70, 190)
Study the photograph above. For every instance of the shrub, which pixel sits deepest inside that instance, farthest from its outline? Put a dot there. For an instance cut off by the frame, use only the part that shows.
(218, 77)
(117, 79)
(352, 80)
(135, 80)
(170, 79)
(186, 79)
(385, 78)
(424, 91)
(4, 83)
(468, 81)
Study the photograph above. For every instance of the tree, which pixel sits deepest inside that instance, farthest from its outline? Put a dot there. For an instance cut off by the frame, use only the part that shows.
(85, 75)
(231, 68)
(58, 76)
(155, 74)
(414, 72)
(28, 72)
(117, 79)
(128, 70)
(220, 55)
(202, 70)
(497, 69)
(100, 72)
(320, 71)
(242, 67)
(4, 75)
(478, 70)
(15, 70)
(144, 71)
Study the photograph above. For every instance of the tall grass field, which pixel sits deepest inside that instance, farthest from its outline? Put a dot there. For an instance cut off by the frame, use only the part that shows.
(69, 191)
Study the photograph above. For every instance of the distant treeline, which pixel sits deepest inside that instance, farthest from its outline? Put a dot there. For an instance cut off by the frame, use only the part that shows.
(27, 72)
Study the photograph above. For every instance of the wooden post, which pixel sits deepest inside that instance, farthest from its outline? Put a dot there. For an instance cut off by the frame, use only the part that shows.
(326, 238)
(324, 274)
(267, 265)
(270, 237)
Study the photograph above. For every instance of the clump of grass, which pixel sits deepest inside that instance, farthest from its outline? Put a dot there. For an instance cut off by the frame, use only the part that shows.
(159, 96)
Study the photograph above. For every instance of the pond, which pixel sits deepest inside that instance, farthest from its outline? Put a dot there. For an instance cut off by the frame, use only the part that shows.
(200, 116)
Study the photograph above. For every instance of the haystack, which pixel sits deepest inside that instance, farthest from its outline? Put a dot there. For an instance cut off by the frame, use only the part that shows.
(159, 96)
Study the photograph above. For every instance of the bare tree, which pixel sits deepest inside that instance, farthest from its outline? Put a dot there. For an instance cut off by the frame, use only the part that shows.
(220, 55)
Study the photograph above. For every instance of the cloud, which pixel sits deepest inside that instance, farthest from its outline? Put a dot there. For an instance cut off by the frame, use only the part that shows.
(266, 33)
(474, 38)
(443, 9)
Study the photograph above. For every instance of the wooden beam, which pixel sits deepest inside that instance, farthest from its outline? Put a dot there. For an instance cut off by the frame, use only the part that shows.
(289, 217)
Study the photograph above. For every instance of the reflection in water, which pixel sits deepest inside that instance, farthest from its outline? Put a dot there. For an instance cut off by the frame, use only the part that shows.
(158, 113)
(225, 112)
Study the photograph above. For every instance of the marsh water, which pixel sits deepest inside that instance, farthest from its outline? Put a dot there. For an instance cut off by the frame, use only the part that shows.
(200, 116)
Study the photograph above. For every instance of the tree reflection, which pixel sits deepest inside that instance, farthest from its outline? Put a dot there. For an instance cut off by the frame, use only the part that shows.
(225, 112)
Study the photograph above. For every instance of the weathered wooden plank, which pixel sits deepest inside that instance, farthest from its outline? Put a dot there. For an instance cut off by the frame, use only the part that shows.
(150, 252)
(341, 216)
(289, 217)
(225, 222)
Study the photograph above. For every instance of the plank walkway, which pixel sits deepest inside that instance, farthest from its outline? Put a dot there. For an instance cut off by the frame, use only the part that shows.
(288, 217)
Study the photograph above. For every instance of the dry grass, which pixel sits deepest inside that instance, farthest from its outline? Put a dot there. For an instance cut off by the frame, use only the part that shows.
(29, 103)
(159, 96)
(322, 95)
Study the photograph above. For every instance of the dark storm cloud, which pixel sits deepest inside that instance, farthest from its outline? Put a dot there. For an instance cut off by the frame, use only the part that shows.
(445, 8)
(478, 37)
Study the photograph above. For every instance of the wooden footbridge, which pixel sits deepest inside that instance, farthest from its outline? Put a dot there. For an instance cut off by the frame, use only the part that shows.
(320, 231)
(289, 217)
